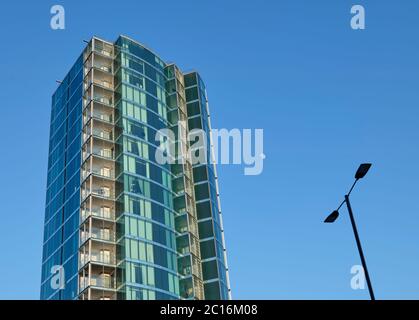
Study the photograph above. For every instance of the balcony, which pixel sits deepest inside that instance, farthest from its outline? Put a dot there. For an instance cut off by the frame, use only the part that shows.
(98, 113)
(105, 213)
(103, 134)
(103, 99)
(104, 172)
(104, 192)
(97, 283)
(98, 147)
(101, 93)
(98, 131)
(99, 62)
(185, 271)
(98, 257)
(104, 51)
(103, 67)
(105, 117)
(186, 288)
(181, 223)
(104, 234)
(104, 153)
(102, 281)
(104, 83)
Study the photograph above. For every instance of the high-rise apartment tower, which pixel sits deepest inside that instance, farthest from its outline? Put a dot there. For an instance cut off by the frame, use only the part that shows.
(119, 223)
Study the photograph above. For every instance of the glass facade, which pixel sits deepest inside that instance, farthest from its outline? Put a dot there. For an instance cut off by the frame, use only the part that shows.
(214, 266)
(61, 236)
(146, 220)
(120, 223)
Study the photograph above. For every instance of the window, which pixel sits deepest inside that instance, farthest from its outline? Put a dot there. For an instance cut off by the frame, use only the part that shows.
(106, 153)
(134, 249)
(135, 129)
(193, 109)
(142, 168)
(205, 229)
(139, 270)
(200, 174)
(133, 227)
(105, 171)
(209, 270)
(191, 94)
(190, 79)
(207, 249)
(133, 79)
(195, 123)
(132, 63)
(201, 191)
(203, 210)
(105, 256)
(105, 191)
(106, 280)
(212, 291)
(105, 234)
(105, 212)
(171, 86)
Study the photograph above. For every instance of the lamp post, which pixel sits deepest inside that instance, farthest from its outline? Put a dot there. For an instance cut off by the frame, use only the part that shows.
(360, 173)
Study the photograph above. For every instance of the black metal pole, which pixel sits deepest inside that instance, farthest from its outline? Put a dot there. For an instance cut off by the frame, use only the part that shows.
(358, 243)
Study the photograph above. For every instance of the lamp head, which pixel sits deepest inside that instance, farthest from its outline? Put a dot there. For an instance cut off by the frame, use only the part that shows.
(362, 170)
(332, 217)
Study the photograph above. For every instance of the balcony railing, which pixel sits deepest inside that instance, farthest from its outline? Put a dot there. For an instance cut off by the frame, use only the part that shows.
(102, 117)
(103, 153)
(102, 172)
(104, 193)
(99, 213)
(107, 282)
(103, 100)
(103, 83)
(103, 134)
(97, 257)
(99, 116)
(103, 52)
(99, 234)
(103, 67)
(179, 193)
(185, 270)
(103, 282)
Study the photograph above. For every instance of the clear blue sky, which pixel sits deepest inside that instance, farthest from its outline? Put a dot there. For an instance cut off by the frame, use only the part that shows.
(326, 96)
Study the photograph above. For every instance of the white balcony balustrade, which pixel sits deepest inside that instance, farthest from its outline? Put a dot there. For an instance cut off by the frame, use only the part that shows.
(105, 234)
(103, 212)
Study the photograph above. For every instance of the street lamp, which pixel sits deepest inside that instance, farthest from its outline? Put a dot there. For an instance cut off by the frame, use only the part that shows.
(360, 173)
